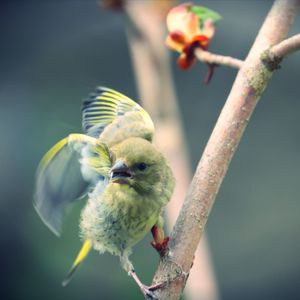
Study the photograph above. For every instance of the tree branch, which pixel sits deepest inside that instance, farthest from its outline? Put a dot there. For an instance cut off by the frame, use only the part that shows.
(273, 56)
(287, 47)
(211, 58)
(247, 89)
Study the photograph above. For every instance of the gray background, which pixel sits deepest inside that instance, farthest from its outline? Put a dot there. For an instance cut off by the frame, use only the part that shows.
(52, 54)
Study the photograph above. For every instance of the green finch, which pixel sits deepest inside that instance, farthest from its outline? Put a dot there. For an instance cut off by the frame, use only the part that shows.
(126, 179)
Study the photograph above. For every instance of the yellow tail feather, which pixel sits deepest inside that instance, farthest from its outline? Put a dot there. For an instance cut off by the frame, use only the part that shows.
(80, 257)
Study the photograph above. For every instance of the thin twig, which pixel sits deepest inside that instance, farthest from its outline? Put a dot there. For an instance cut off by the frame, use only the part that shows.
(274, 55)
(286, 47)
(247, 89)
(211, 58)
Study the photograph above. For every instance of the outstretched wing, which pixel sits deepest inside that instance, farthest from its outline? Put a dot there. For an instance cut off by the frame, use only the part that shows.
(114, 117)
(59, 179)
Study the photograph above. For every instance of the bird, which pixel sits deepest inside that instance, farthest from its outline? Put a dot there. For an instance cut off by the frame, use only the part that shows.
(114, 165)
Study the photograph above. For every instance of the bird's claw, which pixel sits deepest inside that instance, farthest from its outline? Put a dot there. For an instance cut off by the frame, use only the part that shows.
(162, 247)
(148, 290)
(148, 293)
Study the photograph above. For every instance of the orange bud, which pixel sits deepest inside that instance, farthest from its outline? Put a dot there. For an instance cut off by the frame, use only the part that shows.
(187, 32)
(180, 19)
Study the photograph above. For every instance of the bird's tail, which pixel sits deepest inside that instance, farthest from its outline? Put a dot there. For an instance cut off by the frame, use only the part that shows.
(80, 257)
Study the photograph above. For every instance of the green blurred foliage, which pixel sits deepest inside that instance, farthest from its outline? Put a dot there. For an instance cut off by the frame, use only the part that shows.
(53, 53)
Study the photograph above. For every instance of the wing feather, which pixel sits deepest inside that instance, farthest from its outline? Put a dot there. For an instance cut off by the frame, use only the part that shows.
(61, 179)
(113, 117)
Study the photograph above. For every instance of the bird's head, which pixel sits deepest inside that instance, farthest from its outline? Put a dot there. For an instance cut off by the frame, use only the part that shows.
(139, 164)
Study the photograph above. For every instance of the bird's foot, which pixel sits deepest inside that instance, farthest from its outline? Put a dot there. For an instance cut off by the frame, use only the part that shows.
(148, 290)
(148, 293)
(162, 247)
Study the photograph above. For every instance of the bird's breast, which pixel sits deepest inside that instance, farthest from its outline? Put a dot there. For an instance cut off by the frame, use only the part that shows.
(118, 219)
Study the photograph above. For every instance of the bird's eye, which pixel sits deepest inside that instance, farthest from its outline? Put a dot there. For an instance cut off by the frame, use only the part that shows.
(141, 166)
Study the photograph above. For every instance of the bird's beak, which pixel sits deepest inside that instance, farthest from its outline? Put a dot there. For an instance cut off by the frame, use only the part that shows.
(120, 172)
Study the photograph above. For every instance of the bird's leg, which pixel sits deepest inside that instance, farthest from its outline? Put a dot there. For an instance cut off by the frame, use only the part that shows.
(128, 267)
(160, 242)
(145, 289)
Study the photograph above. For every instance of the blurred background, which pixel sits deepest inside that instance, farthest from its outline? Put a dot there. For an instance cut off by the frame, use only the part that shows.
(53, 54)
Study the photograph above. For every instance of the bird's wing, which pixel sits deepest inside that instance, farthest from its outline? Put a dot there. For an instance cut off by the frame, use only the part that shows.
(114, 117)
(59, 180)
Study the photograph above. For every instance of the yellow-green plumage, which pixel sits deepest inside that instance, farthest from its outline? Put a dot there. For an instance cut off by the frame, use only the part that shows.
(125, 213)
(128, 179)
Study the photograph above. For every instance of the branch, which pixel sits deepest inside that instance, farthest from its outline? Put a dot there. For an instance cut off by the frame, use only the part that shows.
(211, 58)
(273, 56)
(287, 47)
(247, 89)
